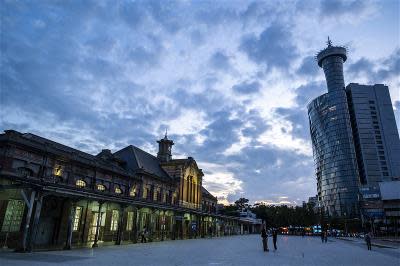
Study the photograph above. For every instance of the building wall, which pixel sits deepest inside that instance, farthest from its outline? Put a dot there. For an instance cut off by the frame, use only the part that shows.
(190, 181)
(334, 154)
(209, 204)
(375, 133)
(62, 210)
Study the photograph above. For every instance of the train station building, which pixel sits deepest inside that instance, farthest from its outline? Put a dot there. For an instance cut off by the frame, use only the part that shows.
(53, 196)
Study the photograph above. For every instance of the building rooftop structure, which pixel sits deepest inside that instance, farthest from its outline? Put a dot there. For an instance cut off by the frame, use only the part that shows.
(139, 160)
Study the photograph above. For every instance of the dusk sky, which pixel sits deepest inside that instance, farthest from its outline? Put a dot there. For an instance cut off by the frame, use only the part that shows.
(230, 80)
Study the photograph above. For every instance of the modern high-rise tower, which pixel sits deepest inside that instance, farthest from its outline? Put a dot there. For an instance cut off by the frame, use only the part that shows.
(376, 138)
(332, 139)
(354, 136)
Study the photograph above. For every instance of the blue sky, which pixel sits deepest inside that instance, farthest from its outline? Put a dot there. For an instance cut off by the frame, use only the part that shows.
(229, 79)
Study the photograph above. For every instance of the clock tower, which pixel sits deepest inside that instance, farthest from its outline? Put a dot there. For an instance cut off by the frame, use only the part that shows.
(164, 149)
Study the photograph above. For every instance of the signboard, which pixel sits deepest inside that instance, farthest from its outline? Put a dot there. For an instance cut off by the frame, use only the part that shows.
(370, 192)
(375, 214)
(194, 225)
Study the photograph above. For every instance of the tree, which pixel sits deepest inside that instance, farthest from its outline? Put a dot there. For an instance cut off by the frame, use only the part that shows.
(229, 210)
(283, 215)
(242, 203)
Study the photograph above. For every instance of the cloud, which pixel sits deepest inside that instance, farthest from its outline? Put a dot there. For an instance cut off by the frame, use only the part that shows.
(247, 87)
(308, 67)
(132, 13)
(272, 48)
(308, 92)
(220, 61)
(384, 70)
(396, 108)
(297, 116)
(362, 66)
(347, 9)
(220, 181)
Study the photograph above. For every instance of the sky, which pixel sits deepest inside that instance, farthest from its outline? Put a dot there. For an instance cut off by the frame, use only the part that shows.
(230, 80)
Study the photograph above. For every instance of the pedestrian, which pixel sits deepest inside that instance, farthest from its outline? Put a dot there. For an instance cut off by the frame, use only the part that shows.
(322, 236)
(326, 236)
(368, 241)
(264, 237)
(274, 238)
(143, 235)
(210, 231)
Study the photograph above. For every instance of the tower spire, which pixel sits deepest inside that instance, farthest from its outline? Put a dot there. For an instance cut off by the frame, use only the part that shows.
(164, 148)
(329, 42)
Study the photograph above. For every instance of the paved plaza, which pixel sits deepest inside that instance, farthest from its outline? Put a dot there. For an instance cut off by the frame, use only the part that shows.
(235, 250)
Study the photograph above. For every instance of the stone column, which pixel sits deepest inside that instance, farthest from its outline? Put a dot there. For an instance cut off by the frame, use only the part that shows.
(35, 224)
(96, 236)
(184, 189)
(30, 204)
(136, 225)
(120, 228)
(71, 218)
(197, 195)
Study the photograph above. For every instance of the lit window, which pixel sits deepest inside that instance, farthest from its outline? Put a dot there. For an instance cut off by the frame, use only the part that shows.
(132, 192)
(129, 221)
(145, 191)
(58, 170)
(13, 217)
(101, 187)
(114, 220)
(80, 183)
(77, 218)
(117, 190)
(155, 195)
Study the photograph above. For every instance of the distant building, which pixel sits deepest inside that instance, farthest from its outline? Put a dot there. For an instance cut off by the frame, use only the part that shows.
(314, 204)
(312, 201)
(255, 224)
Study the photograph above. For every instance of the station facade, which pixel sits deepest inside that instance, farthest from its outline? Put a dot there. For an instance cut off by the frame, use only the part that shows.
(54, 196)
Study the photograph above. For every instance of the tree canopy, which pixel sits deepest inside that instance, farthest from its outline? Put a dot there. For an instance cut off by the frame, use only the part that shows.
(275, 215)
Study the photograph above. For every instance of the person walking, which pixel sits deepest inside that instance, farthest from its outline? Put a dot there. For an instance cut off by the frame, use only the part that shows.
(264, 237)
(368, 240)
(322, 236)
(326, 236)
(274, 238)
(210, 231)
(143, 235)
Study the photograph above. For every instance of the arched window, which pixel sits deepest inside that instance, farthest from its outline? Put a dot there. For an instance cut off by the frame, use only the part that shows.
(58, 170)
(100, 187)
(117, 190)
(132, 192)
(80, 183)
